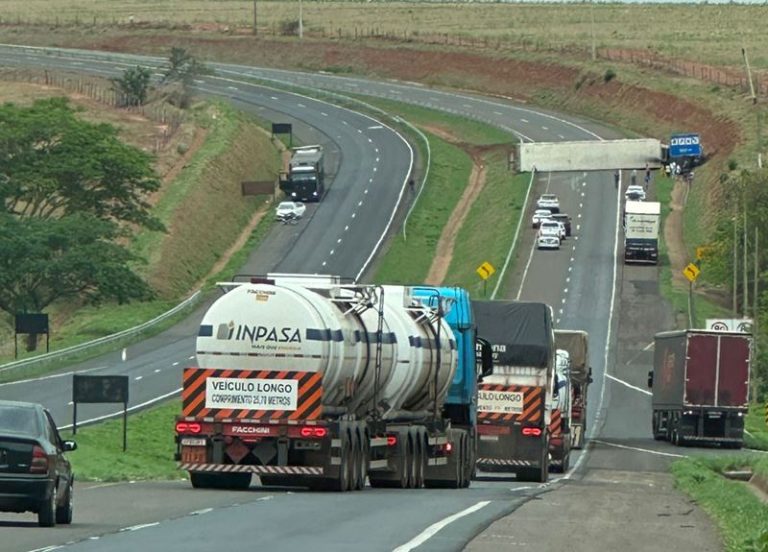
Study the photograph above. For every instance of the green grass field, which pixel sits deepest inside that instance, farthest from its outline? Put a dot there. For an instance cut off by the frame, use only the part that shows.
(741, 517)
(100, 457)
(710, 33)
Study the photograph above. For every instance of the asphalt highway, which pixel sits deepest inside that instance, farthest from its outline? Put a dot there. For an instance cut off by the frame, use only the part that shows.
(582, 281)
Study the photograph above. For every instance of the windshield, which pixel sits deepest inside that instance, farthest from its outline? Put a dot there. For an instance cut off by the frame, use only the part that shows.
(19, 419)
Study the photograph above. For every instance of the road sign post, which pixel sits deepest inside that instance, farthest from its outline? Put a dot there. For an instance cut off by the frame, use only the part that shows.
(691, 272)
(485, 271)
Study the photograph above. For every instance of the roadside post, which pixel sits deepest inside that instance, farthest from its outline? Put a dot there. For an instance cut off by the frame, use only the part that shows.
(691, 272)
(485, 271)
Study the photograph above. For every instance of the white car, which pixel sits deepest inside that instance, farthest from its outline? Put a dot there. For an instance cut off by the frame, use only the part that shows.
(548, 201)
(552, 228)
(635, 193)
(290, 209)
(539, 215)
(547, 242)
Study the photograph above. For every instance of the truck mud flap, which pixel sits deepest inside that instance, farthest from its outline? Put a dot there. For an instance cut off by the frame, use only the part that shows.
(258, 470)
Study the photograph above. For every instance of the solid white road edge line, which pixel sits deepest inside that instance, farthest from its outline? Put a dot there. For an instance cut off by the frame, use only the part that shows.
(638, 449)
(432, 530)
(514, 240)
(622, 382)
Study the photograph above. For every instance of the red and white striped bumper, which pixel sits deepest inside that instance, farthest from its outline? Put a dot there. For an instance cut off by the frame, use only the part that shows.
(235, 468)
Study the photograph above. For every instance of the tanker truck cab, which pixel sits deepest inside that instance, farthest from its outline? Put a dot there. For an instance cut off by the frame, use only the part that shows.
(307, 381)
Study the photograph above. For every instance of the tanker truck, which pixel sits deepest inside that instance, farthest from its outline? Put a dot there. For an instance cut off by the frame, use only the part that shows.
(576, 343)
(515, 402)
(307, 381)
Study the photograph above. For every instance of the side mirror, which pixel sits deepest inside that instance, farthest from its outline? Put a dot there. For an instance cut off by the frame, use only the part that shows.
(650, 379)
(69, 446)
(589, 377)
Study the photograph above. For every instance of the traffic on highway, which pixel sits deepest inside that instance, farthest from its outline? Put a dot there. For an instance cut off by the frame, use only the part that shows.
(325, 410)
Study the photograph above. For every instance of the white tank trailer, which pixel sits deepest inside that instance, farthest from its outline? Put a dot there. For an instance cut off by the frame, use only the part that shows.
(294, 384)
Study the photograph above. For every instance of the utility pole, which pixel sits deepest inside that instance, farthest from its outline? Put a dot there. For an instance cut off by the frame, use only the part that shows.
(735, 265)
(592, 14)
(255, 20)
(749, 76)
(745, 306)
(754, 298)
(301, 22)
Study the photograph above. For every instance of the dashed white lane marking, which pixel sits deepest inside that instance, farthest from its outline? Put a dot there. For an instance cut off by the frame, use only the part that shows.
(377, 151)
(274, 98)
(359, 203)
(47, 548)
(581, 205)
(302, 105)
(201, 512)
(377, 159)
(433, 529)
(583, 194)
(345, 123)
(523, 120)
(231, 87)
(323, 113)
(375, 169)
(498, 113)
(562, 300)
(70, 403)
(570, 268)
(338, 241)
(375, 127)
(365, 192)
(583, 183)
(138, 378)
(572, 259)
(565, 290)
(191, 358)
(324, 263)
(346, 228)
(578, 216)
(140, 526)
(557, 321)
(157, 370)
(466, 106)
(197, 81)
(578, 227)
(638, 449)
(573, 248)
(649, 346)
(544, 128)
(561, 136)
(567, 279)
(624, 383)
(333, 251)
(175, 364)
(560, 311)
(354, 215)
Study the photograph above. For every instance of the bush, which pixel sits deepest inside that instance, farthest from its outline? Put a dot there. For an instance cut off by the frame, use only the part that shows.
(733, 164)
(289, 27)
(610, 74)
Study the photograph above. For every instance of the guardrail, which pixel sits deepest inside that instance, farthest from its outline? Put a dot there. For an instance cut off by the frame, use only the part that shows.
(77, 349)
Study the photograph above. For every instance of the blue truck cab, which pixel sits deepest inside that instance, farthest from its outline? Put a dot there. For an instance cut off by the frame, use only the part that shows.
(461, 402)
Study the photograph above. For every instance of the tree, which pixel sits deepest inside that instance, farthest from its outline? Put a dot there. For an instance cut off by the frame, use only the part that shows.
(69, 190)
(133, 86)
(42, 261)
(53, 164)
(183, 70)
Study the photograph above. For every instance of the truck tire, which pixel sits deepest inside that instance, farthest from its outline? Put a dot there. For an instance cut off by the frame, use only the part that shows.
(342, 483)
(466, 465)
(419, 458)
(354, 461)
(359, 484)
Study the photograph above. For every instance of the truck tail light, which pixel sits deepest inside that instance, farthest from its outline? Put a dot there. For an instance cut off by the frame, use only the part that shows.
(188, 427)
(391, 440)
(313, 432)
(448, 448)
(531, 431)
(39, 460)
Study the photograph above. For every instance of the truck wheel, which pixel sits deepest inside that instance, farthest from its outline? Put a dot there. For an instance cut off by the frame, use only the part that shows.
(362, 469)
(418, 459)
(341, 483)
(354, 462)
(467, 464)
(409, 464)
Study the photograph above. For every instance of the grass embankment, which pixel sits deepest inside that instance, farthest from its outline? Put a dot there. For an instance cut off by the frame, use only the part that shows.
(487, 231)
(100, 457)
(204, 213)
(757, 427)
(741, 516)
(671, 290)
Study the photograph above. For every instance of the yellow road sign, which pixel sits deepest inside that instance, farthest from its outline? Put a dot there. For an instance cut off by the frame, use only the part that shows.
(691, 272)
(485, 270)
(702, 251)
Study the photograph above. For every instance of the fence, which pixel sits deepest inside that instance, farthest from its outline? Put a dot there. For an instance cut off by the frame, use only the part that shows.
(99, 90)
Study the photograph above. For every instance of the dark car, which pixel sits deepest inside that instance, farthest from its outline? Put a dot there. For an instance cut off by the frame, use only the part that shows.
(35, 476)
(565, 219)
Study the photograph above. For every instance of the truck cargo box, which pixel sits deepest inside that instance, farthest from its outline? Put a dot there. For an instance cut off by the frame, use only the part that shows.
(699, 368)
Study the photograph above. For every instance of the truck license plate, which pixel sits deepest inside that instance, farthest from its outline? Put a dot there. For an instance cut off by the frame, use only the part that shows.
(193, 455)
(192, 442)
